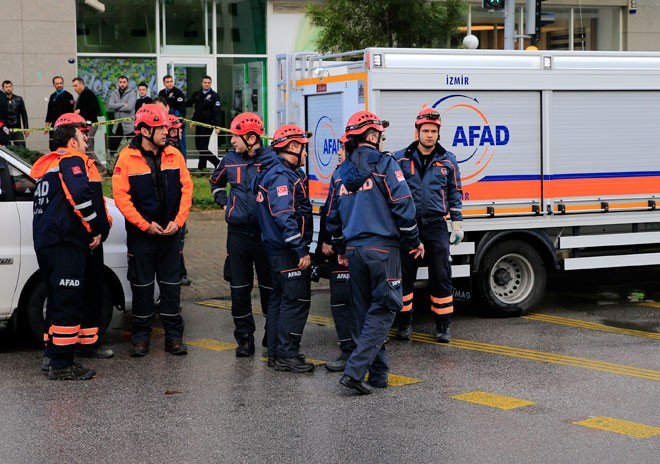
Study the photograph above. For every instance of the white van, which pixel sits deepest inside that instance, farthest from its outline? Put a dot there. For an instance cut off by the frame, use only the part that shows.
(22, 291)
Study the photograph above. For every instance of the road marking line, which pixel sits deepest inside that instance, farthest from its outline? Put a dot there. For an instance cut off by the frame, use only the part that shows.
(394, 380)
(492, 400)
(650, 304)
(623, 427)
(590, 325)
(503, 350)
(211, 344)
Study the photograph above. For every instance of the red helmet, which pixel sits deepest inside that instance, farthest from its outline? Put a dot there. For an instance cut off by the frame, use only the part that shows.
(289, 133)
(343, 139)
(363, 120)
(428, 116)
(245, 123)
(152, 115)
(72, 119)
(173, 122)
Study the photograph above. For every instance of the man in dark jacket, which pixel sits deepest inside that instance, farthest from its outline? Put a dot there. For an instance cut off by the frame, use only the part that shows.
(87, 106)
(16, 114)
(143, 95)
(207, 111)
(59, 103)
(285, 218)
(245, 252)
(434, 179)
(176, 100)
(371, 209)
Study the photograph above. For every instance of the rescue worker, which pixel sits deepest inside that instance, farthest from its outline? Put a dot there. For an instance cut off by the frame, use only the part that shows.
(239, 169)
(434, 178)
(343, 313)
(173, 139)
(88, 341)
(153, 190)
(285, 217)
(68, 222)
(371, 209)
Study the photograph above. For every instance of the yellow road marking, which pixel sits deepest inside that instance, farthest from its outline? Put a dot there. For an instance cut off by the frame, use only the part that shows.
(650, 304)
(214, 345)
(623, 427)
(394, 380)
(590, 325)
(503, 350)
(492, 400)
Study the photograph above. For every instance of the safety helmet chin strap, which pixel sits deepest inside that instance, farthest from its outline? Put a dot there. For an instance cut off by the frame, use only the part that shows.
(376, 145)
(152, 131)
(250, 146)
(297, 155)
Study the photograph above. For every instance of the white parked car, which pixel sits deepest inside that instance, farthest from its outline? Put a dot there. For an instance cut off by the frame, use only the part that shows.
(22, 291)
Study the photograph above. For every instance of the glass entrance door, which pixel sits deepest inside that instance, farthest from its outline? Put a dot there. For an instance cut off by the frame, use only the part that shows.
(188, 73)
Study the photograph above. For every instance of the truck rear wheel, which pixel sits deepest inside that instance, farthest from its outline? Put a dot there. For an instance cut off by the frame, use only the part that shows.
(511, 278)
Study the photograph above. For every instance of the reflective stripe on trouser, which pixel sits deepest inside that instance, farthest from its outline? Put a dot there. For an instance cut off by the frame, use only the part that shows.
(246, 254)
(92, 308)
(343, 313)
(435, 238)
(63, 268)
(288, 306)
(376, 293)
(151, 259)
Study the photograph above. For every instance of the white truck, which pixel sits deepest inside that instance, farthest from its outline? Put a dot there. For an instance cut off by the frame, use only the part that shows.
(22, 290)
(559, 151)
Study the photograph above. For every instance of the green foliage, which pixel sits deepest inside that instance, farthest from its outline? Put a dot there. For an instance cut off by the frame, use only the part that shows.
(27, 155)
(202, 198)
(353, 25)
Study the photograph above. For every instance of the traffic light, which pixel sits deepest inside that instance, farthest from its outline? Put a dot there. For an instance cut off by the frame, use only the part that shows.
(492, 4)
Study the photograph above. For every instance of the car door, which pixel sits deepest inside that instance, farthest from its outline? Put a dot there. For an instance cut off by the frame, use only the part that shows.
(10, 242)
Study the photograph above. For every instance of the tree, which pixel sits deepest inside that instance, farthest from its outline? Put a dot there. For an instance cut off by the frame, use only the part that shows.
(356, 24)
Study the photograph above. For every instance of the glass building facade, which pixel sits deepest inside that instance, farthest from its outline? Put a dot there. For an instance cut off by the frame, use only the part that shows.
(147, 39)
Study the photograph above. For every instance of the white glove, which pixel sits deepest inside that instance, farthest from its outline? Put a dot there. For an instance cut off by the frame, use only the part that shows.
(456, 235)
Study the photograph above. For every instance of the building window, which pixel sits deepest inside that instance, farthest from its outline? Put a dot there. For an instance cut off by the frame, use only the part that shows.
(124, 27)
(591, 29)
(186, 23)
(241, 26)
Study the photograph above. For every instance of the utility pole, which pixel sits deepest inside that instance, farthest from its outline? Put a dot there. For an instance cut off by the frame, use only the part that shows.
(509, 24)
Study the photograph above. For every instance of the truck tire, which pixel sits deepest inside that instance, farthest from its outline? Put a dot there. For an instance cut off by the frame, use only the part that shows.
(35, 312)
(511, 278)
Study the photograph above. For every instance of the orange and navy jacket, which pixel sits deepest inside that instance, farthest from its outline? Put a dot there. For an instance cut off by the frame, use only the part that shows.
(150, 187)
(437, 189)
(68, 202)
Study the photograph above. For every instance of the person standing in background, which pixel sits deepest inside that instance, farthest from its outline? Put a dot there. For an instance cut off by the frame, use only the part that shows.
(16, 114)
(143, 95)
(87, 106)
(122, 102)
(207, 111)
(59, 103)
(176, 100)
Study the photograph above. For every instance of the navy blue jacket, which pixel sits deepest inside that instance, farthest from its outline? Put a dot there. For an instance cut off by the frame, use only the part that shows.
(437, 190)
(64, 210)
(284, 210)
(176, 100)
(370, 202)
(241, 172)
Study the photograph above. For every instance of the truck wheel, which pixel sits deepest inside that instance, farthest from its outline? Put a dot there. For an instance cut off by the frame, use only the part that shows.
(35, 312)
(511, 278)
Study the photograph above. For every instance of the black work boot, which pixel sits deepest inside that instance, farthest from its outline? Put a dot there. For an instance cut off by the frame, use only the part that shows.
(442, 334)
(245, 348)
(74, 372)
(358, 385)
(404, 330)
(293, 365)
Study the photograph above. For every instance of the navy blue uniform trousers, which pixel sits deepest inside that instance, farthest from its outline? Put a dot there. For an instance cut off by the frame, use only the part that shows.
(341, 306)
(152, 258)
(377, 296)
(289, 305)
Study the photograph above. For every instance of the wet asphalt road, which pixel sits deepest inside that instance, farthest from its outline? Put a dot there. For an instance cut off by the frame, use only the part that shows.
(585, 353)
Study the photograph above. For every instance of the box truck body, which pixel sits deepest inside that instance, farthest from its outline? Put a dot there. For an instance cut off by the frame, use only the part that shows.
(559, 152)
